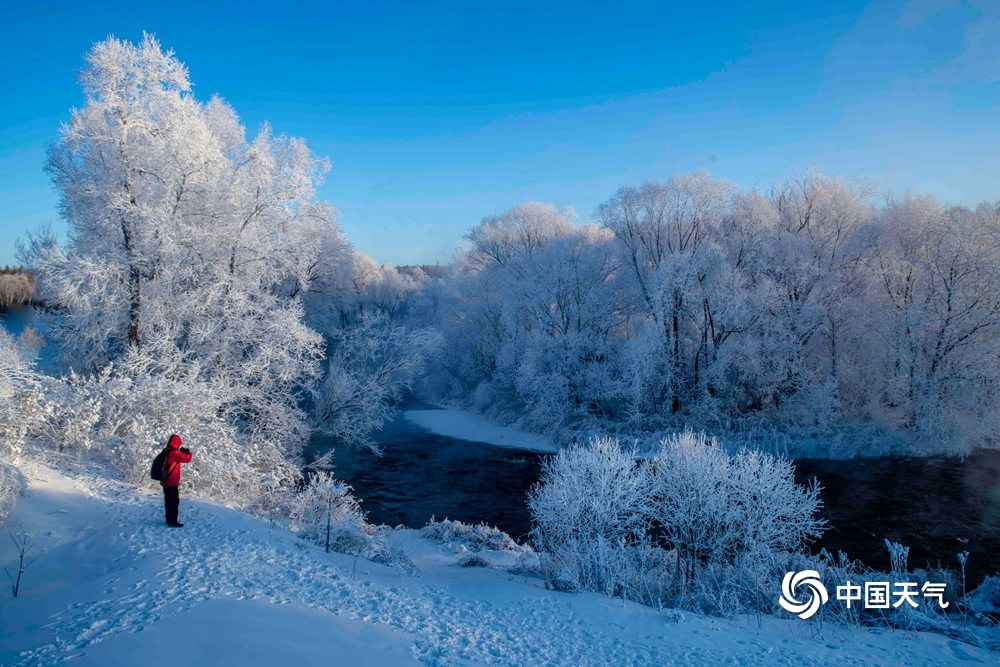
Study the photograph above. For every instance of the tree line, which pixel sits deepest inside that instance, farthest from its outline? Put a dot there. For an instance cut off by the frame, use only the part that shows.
(814, 308)
(17, 287)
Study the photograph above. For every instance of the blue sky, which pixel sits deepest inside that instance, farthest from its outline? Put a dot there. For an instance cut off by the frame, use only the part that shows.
(435, 114)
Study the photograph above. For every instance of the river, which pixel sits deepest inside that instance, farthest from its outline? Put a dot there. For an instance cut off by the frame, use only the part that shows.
(936, 506)
(421, 475)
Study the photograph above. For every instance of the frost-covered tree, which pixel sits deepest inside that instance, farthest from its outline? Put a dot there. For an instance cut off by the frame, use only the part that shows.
(664, 314)
(499, 239)
(931, 327)
(812, 259)
(377, 348)
(805, 309)
(662, 229)
(563, 360)
(371, 289)
(187, 242)
(371, 366)
(538, 332)
(470, 307)
(478, 300)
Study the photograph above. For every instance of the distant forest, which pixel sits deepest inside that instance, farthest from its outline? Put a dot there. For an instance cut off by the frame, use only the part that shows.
(785, 316)
(17, 287)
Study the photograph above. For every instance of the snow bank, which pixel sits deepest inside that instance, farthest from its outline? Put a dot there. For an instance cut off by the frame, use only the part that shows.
(111, 585)
(464, 425)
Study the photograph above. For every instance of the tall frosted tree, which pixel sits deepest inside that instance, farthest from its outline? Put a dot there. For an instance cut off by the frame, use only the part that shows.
(189, 245)
(934, 282)
(663, 230)
(520, 231)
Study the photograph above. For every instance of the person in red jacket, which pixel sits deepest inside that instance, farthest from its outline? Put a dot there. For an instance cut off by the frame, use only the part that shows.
(172, 478)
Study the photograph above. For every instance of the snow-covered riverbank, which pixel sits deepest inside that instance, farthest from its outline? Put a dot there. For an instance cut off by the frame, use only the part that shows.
(112, 586)
(465, 425)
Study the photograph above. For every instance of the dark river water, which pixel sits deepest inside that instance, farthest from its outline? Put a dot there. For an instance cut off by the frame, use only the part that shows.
(936, 506)
(422, 475)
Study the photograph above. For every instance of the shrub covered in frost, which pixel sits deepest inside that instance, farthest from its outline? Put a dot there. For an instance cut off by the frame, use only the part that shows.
(19, 413)
(683, 526)
(474, 538)
(381, 549)
(124, 413)
(717, 509)
(986, 598)
(590, 518)
(325, 513)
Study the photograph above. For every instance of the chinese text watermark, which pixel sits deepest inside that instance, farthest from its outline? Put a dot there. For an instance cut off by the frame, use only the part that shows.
(803, 593)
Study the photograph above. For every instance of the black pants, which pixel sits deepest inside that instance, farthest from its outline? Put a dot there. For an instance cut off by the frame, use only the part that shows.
(172, 502)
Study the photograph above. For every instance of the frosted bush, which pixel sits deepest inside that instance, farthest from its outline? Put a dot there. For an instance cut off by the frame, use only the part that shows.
(714, 508)
(123, 415)
(774, 513)
(474, 560)
(479, 537)
(379, 548)
(325, 513)
(71, 409)
(898, 557)
(588, 514)
(689, 496)
(692, 525)
(20, 412)
(986, 598)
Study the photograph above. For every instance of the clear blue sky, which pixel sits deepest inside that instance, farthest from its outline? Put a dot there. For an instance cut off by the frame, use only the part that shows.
(435, 114)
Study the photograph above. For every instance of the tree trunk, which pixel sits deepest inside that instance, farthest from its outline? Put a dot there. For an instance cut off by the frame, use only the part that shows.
(135, 306)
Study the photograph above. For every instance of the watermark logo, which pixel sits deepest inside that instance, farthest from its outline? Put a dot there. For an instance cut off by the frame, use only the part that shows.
(873, 594)
(817, 593)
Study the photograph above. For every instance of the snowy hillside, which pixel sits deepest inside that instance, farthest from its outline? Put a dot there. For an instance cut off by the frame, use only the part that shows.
(111, 585)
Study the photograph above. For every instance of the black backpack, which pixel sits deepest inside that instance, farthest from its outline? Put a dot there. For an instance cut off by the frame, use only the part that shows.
(156, 472)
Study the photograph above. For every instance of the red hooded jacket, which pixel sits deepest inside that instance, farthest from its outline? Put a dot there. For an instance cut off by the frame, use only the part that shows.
(175, 457)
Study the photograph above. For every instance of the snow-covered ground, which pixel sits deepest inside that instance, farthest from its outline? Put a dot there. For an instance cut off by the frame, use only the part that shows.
(111, 585)
(464, 425)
